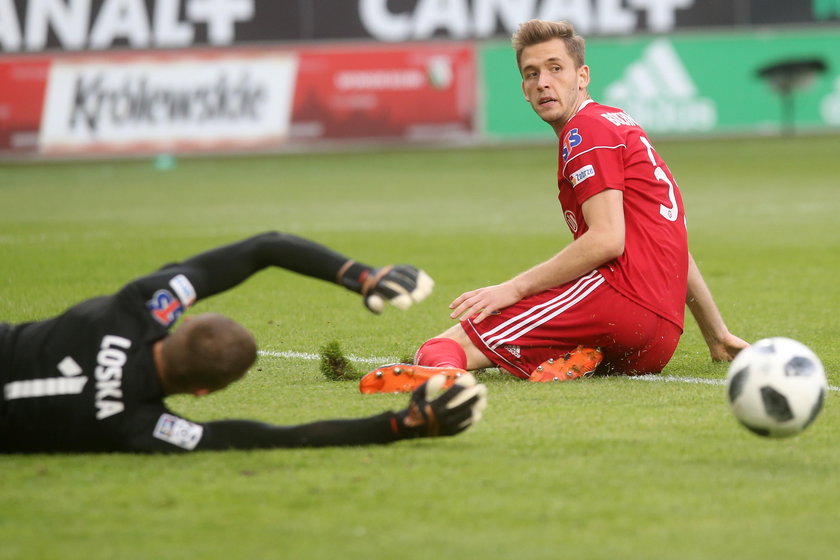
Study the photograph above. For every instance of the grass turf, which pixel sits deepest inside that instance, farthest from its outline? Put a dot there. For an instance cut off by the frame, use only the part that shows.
(603, 468)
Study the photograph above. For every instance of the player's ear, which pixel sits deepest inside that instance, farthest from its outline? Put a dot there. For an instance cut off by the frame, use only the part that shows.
(583, 76)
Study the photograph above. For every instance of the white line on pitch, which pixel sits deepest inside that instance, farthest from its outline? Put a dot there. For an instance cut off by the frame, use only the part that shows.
(700, 380)
(694, 380)
(389, 360)
(308, 356)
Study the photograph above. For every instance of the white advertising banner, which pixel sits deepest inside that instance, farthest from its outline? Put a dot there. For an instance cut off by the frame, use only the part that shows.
(159, 102)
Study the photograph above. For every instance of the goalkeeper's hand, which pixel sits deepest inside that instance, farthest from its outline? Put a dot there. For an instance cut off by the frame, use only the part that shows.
(431, 413)
(402, 285)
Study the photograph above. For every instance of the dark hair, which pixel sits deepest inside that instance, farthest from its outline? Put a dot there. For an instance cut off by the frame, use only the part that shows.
(538, 31)
(208, 351)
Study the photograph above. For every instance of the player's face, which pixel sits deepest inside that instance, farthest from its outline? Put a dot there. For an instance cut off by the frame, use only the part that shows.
(552, 84)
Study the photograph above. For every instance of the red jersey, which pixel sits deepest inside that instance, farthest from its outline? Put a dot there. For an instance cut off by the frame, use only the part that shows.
(603, 148)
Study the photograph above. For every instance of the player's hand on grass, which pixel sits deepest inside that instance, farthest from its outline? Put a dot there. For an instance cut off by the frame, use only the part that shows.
(431, 413)
(401, 285)
(725, 349)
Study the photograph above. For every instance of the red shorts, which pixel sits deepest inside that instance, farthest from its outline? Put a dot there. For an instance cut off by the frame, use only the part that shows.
(586, 311)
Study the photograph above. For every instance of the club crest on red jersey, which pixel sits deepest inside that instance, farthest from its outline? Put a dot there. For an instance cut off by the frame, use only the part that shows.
(165, 307)
(572, 139)
(571, 220)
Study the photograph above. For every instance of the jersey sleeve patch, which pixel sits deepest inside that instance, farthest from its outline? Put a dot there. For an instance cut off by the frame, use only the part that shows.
(178, 432)
(581, 175)
(183, 289)
(572, 139)
(166, 307)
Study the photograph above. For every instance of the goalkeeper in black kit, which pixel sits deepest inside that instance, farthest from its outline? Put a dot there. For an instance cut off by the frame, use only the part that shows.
(94, 378)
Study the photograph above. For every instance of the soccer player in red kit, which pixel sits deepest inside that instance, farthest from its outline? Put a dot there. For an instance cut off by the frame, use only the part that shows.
(612, 300)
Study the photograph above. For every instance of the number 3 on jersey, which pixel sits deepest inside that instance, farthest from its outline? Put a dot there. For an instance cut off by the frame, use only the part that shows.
(669, 213)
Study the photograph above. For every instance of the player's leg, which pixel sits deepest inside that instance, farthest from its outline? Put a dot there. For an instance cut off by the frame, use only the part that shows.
(451, 354)
(550, 335)
(452, 348)
(562, 333)
(554, 335)
(653, 354)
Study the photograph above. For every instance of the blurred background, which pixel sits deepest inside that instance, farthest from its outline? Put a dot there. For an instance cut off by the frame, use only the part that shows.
(91, 78)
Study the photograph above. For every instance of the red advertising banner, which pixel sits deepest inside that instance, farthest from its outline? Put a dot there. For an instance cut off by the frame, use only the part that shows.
(409, 92)
(124, 102)
(23, 82)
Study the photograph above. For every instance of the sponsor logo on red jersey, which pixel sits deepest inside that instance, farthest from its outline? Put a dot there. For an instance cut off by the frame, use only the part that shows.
(582, 175)
(572, 139)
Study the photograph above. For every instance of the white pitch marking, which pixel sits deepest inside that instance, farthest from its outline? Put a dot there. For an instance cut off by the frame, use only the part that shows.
(308, 356)
(701, 380)
(390, 360)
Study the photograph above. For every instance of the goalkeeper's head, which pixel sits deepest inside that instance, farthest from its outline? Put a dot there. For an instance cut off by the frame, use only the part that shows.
(206, 353)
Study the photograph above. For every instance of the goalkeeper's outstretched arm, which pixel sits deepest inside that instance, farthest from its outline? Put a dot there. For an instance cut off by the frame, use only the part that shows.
(221, 269)
(430, 413)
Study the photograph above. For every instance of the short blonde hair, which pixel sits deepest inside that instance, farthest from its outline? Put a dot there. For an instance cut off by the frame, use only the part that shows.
(538, 31)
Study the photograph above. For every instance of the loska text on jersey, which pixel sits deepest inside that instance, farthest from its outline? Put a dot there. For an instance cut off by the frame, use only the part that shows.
(109, 370)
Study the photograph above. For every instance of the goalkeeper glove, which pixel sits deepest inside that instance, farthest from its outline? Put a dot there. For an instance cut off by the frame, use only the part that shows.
(402, 285)
(446, 414)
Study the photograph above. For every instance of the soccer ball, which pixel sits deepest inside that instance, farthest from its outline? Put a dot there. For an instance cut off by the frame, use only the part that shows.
(776, 387)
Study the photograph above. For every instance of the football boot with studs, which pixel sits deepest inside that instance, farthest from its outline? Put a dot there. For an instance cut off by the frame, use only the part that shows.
(580, 362)
(404, 378)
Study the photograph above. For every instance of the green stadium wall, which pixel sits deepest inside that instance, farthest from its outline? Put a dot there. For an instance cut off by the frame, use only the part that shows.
(683, 85)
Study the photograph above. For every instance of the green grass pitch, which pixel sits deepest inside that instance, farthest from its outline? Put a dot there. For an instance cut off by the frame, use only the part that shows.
(599, 469)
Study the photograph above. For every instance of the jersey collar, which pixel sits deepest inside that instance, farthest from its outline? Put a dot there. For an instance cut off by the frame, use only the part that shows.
(584, 104)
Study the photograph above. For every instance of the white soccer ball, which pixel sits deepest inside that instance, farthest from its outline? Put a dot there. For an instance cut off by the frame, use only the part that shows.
(776, 387)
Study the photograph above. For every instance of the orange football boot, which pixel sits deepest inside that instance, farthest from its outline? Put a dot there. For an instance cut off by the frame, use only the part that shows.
(580, 362)
(404, 378)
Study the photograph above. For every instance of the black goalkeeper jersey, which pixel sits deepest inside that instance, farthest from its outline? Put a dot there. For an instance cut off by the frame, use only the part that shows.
(86, 380)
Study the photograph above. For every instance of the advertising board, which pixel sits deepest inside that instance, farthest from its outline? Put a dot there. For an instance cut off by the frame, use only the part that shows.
(166, 102)
(410, 92)
(95, 25)
(23, 83)
(237, 99)
(692, 84)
